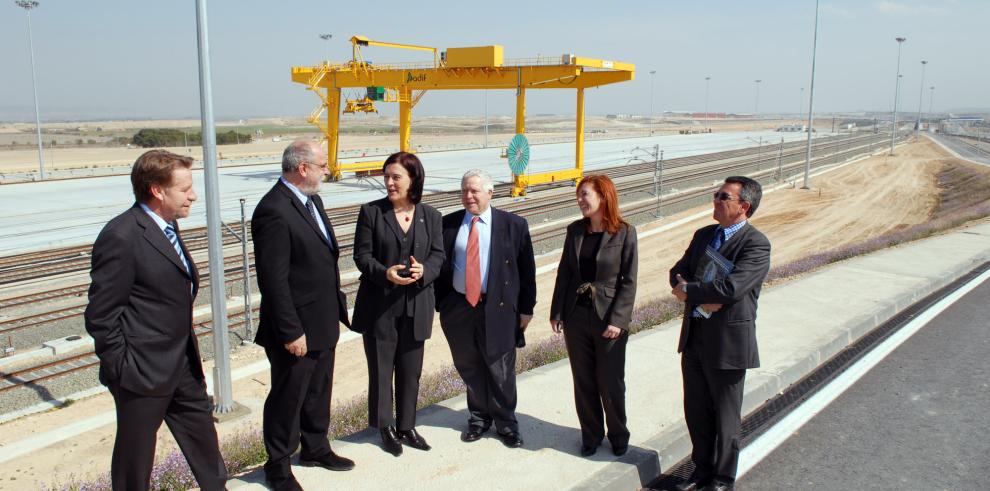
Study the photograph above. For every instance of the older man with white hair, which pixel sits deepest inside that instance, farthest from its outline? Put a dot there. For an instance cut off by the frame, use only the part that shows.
(485, 295)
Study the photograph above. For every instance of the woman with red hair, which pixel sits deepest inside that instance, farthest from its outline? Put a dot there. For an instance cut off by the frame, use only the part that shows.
(592, 304)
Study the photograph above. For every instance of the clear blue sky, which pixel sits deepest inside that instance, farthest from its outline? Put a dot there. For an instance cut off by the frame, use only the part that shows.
(137, 58)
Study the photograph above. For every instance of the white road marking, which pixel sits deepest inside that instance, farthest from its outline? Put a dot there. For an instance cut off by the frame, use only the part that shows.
(756, 451)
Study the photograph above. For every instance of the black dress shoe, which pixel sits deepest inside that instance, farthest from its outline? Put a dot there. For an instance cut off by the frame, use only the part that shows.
(288, 483)
(413, 439)
(390, 441)
(620, 449)
(473, 433)
(718, 486)
(329, 461)
(693, 483)
(588, 450)
(511, 439)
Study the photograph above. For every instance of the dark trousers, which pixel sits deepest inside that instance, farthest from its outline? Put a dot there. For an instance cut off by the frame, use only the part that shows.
(297, 409)
(490, 379)
(189, 416)
(400, 357)
(598, 366)
(712, 410)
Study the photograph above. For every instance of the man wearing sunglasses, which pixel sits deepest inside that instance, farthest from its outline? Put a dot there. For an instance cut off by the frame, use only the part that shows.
(718, 334)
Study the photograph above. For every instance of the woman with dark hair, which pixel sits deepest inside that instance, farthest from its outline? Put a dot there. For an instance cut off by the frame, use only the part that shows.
(398, 247)
(592, 304)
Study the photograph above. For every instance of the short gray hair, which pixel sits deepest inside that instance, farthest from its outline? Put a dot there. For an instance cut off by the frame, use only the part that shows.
(295, 154)
(486, 179)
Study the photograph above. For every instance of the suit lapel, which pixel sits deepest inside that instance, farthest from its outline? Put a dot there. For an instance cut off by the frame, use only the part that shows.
(578, 241)
(450, 234)
(420, 237)
(606, 237)
(493, 250)
(301, 208)
(157, 239)
(322, 212)
(389, 215)
(193, 270)
(736, 237)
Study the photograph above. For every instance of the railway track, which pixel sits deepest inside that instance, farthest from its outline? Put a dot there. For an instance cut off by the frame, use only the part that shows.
(728, 161)
(527, 208)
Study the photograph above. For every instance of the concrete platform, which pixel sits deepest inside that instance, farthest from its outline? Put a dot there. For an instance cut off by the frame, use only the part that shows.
(801, 324)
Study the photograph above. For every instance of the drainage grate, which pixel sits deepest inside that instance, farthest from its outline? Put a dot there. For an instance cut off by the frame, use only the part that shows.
(776, 408)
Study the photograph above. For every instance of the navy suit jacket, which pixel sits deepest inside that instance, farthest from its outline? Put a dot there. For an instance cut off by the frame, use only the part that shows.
(140, 306)
(729, 336)
(511, 287)
(297, 273)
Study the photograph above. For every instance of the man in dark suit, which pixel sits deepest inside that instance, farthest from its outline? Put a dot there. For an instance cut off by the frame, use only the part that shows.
(486, 293)
(140, 317)
(301, 307)
(718, 334)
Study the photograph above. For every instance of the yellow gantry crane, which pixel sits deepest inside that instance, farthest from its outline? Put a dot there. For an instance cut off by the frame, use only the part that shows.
(473, 68)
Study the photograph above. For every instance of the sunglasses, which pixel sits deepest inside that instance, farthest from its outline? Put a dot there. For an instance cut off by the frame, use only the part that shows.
(723, 196)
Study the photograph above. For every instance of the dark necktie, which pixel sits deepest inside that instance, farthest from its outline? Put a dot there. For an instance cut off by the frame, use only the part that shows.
(174, 239)
(311, 206)
(718, 239)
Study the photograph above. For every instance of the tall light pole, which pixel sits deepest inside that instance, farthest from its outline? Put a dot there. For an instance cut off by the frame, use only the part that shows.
(931, 98)
(921, 95)
(801, 107)
(897, 89)
(222, 390)
(811, 103)
(27, 6)
(756, 105)
(327, 37)
(707, 84)
(652, 73)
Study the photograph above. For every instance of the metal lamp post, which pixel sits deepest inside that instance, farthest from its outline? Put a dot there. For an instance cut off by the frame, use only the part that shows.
(931, 98)
(756, 105)
(327, 37)
(222, 387)
(652, 73)
(707, 84)
(897, 88)
(921, 95)
(27, 6)
(811, 104)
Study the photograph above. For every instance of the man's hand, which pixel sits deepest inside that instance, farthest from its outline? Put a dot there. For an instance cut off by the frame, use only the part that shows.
(524, 321)
(393, 275)
(557, 326)
(297, 347)
(711, 308)
(678, 290)
(611, 332)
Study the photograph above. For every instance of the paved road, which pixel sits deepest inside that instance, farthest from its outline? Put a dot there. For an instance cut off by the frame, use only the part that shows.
(966, 150)
(919, 420)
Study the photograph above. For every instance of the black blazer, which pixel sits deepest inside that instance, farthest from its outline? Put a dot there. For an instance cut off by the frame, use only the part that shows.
(511, 276)
(615, 282)
(378, 246)
(140, 306)
(297, 273)
(729, 336)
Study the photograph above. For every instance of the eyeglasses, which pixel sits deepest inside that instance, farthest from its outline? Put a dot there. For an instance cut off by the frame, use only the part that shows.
(724, 196)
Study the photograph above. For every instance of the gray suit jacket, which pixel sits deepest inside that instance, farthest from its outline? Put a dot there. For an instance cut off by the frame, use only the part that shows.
(615, 282)
(729, 336)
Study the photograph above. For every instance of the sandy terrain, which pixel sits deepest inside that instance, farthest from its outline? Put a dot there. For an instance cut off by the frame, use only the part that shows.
(847, 205)
(429, 134)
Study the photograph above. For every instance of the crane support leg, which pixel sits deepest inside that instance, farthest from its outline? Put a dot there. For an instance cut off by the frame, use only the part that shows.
(579, 138)
(333, 131)
(405, 119)
(521, 111)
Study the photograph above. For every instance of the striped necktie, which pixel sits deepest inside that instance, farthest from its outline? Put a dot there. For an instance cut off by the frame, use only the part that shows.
(174, 239)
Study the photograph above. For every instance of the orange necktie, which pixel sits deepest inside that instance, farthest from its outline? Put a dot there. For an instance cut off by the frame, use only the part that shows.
(472, 276)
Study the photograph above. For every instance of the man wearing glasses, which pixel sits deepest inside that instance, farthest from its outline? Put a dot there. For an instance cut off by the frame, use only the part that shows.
(719, 279)
(302, 307)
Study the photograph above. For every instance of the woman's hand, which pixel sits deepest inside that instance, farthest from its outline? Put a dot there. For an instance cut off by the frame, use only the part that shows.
(416, 269)
(392, 274)
(557, 326)
(611, 332)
